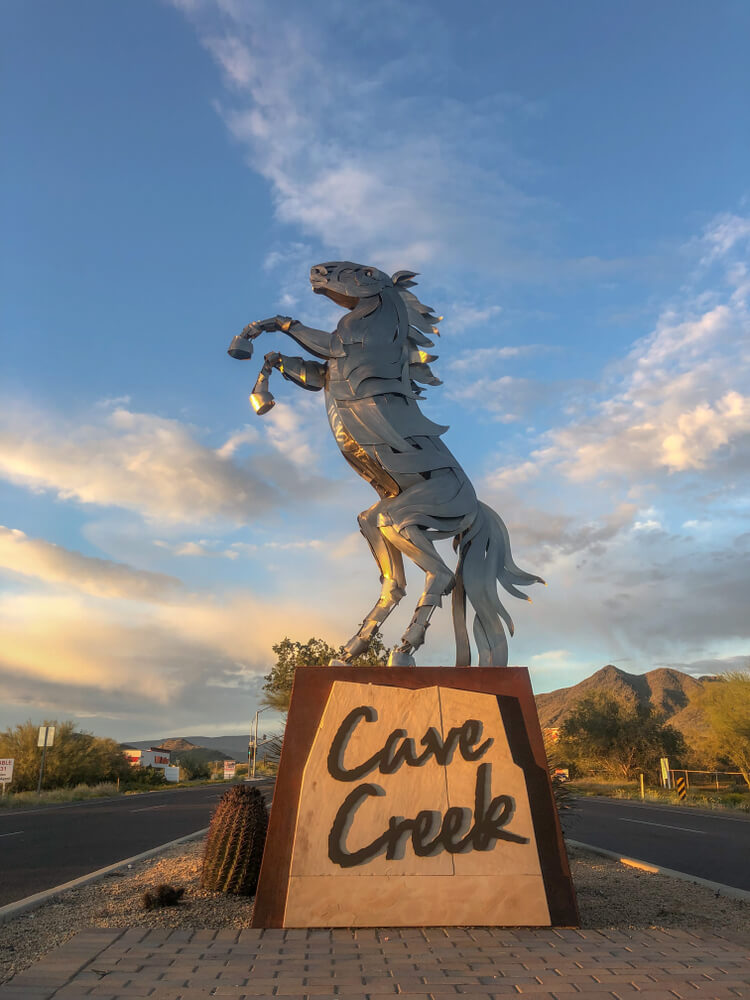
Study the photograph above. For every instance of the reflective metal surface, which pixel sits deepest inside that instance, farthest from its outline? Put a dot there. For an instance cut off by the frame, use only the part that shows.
(372, 369)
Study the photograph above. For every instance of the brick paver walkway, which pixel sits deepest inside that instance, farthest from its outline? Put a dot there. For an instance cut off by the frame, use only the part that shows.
(416, 963)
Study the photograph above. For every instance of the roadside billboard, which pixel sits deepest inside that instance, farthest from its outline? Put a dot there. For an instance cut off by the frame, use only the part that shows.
(230, 766)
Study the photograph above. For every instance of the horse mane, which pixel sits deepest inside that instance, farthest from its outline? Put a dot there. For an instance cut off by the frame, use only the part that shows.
(421, 321)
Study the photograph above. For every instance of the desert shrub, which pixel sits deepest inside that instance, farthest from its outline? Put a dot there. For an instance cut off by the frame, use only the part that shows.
(608, 734)
(145, 777)
(235, 842)
(193, 766)
(76, 758)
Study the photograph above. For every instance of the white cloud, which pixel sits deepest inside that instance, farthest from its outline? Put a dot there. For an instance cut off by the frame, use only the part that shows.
(394, 180)
(160, 656)
(723, 234)
(203, 549)
(36, 557)
(648, 525)
(552, 658)
(137, 461)
(681, 401)
(483, 357)
(158, 466)
(506, 398)
(248, 435)
(462, 318)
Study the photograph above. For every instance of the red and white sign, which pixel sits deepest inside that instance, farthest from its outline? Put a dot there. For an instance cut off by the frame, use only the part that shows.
(230, 766)
(6, 770)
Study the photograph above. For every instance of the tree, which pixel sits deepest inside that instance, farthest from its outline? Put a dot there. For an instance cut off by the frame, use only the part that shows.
(76, 757)
(726, 704)
(194, 765)
(616, 736)
(313, 653)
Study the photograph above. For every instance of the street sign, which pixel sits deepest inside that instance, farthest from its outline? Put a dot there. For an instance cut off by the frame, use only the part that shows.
(681, 785)
(665, 775)
(6, 771)
(230, 766)
(46, 739)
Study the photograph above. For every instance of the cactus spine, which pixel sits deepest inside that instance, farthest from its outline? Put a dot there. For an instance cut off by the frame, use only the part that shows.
(235, 842)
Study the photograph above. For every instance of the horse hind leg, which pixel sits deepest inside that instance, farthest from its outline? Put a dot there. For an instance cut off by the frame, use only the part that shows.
(415, 543)
(392, 578)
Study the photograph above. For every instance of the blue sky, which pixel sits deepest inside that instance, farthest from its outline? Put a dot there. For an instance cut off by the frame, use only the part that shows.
(571, 182)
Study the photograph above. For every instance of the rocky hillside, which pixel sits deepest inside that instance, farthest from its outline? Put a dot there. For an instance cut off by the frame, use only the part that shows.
(668, 691)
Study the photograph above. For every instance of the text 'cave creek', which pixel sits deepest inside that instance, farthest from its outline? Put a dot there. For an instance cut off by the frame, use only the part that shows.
(459, 830)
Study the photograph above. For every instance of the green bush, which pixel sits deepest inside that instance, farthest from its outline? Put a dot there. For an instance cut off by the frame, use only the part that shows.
(235, 842)
(76, 758)
(145, 777)
(194, 766)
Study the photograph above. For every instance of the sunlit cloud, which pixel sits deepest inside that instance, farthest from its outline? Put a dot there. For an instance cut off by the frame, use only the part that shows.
(683, 399)
(399, 181)
(136, 461)
(43, 560)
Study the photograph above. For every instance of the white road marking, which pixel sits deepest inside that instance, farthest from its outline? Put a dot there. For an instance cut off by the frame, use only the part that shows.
(666, 826)
(16, 833)
(715, 813)
(149, 808)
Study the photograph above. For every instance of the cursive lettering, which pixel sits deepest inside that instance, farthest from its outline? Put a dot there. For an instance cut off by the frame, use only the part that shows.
(460, 828)
(399, 749)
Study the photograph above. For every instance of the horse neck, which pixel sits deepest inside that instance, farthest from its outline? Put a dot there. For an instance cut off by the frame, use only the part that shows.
(375, 319)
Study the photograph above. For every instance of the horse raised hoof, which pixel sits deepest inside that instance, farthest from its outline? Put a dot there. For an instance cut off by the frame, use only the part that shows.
(400, 658)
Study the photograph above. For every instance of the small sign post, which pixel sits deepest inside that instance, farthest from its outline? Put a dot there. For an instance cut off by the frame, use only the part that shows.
(230, 767)
(46, 739)
(680, 784)
(6, 771)
(666, 778)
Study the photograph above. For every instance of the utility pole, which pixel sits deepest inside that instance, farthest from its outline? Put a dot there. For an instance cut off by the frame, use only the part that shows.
(255, 741)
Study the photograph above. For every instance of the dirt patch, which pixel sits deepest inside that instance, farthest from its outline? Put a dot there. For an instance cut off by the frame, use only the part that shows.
(609, 895)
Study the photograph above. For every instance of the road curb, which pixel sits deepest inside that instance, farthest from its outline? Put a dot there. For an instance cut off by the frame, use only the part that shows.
(717, 887)
(11, 910)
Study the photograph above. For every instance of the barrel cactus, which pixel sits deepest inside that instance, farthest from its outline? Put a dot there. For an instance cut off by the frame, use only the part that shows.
(235, 842)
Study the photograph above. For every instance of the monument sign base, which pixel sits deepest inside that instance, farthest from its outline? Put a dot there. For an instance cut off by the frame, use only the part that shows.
(414, 796)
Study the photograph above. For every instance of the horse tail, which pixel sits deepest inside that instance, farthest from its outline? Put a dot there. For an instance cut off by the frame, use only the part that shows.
(484, 560)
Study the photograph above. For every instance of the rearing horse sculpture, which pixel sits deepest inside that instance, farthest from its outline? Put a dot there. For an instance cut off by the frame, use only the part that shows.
(371, 368)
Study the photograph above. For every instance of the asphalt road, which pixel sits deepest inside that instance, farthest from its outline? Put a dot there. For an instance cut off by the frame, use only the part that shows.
(714, 845)
(42, 848)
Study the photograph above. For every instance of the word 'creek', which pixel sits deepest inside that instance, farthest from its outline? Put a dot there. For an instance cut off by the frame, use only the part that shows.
(460, 829)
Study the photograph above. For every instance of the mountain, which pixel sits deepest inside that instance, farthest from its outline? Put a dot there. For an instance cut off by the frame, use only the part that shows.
(668, 691)
(224, 747)
(178, 743)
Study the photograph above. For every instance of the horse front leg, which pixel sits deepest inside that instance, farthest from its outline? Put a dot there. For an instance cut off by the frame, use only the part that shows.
(392, 579)
(317, 342)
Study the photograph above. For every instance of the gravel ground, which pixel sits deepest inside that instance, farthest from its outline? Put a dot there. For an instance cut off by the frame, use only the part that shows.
(609, 895)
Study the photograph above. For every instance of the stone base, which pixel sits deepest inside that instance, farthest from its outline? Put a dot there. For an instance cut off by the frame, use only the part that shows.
(413, 796)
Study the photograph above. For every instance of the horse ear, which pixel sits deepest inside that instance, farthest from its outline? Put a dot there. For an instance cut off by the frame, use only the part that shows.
(401, 279)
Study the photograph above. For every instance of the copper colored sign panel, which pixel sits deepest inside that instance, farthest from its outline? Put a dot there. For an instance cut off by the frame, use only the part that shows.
(412, 797)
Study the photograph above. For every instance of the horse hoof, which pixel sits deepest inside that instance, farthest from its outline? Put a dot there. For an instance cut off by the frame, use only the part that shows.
(398, 658)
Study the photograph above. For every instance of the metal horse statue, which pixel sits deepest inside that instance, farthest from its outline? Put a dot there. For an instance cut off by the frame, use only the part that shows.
(370, 369)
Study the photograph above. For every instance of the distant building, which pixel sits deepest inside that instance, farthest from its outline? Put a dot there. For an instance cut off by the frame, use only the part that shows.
(155, 757)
